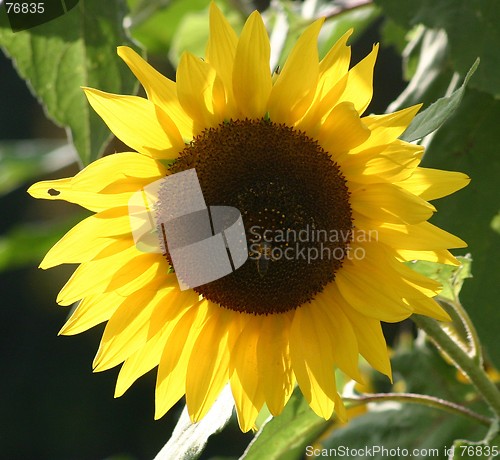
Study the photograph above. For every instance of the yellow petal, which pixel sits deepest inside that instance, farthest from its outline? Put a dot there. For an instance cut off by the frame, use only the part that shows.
(83, 282)
(334, 66)
(342, 130)
(391, 164)
(137, 273)
(120, 172)
(143, 360)
(359, 88)
(389, 258)
(387, 128)
(360, 285)
(245, 382)
(274, 363)
(208, 368)
(312, 360)
(429, 307)
(133, 120)
(389, 203)
(127, 330)
(173, 304)
(91, 311)
(252, 76)
(331, 84)
(370, 338)
(221, 47)
(430, 184)
(63, 189)
(117, 176)
(89, 237)
(171, 379)
(159, 89)
(441, 256)
(344, 344)
(312, 121)
(380, 264)
(419, 237)
(201, 92)
(295, 87)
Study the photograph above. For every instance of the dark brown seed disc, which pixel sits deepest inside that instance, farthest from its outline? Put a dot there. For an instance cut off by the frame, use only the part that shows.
(295, 207)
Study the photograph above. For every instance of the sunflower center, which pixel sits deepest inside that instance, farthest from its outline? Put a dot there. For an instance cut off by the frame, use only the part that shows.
(294, 203)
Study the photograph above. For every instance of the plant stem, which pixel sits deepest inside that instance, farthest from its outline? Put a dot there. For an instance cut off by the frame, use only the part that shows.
(463, 361)
(337, 10)
(471, 332)
(426, 400)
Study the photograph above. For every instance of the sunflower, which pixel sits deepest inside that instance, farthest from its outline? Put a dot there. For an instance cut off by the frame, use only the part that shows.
(340, 201)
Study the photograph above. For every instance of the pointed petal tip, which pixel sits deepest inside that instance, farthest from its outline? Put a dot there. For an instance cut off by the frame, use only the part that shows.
(123, 49)
(158, 414)
(440, 314)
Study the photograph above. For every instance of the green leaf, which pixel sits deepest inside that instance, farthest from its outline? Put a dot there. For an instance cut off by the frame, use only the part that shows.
(437, 113)
(189, 439)
(74, 50)
(285, 437)
(22, 161)
(472, 29)
(469, 143)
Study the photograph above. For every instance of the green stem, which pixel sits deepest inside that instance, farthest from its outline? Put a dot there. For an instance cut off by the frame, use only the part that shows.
(426, 400)
(463, 361)
(470, 330)
(338, 10)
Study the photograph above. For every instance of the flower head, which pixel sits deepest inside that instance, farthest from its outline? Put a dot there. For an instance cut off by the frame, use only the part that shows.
(333, 204)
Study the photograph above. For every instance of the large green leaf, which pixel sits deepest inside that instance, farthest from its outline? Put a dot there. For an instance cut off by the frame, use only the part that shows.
(468, 143)
(472, 28)
(74, 50)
